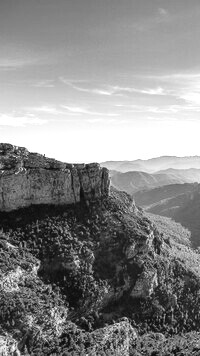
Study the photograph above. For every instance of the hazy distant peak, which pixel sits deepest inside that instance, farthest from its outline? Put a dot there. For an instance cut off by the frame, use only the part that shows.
(155, 164)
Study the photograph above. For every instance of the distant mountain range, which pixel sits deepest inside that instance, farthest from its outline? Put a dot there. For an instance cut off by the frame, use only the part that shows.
(132, 182)
(132, 176)
(188, 175)
(154, 164)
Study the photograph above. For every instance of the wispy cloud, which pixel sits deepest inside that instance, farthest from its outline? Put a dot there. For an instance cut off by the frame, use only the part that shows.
(162, 109)
(175, 77)
(16, 63)
(45, 109)
(184, 86)
(76, 109)
(78, 85)
(110, 90)
(66, 110)
(87, 111)
(15, 120)
(146, 91)
(154, 91)
(159, 95)
(46, 83)
(191, 97)
(143, 109)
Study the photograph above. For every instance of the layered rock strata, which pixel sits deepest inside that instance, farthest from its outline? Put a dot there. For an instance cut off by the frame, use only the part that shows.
(30, 178)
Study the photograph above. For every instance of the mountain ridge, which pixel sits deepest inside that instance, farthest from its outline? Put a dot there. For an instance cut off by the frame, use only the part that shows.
(133, 181)
(154, 164)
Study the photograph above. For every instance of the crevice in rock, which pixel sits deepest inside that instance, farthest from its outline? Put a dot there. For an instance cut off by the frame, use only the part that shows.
(92, 189)
(72, 185)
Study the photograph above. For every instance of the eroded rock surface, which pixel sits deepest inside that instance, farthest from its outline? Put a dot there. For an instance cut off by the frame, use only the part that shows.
(8, 346)
(30, 178)
(145, 284)
(113, 339)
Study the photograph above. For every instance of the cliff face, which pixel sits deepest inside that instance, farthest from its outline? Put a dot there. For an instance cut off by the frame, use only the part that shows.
(30, 178)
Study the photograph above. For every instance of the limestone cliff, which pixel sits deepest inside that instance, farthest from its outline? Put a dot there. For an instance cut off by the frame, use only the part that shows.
(30, 178)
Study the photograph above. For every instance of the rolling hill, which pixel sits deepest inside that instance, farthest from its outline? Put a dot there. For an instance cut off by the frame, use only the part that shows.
(132, 182)
(188, 215)
(189, 175)
(155, 200)
(180, 202)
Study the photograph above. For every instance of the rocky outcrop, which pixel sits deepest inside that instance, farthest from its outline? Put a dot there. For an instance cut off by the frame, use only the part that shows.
(145, 284)
(11, 280)
(113, 339)
(8, 346)
(30, 178)
(142, 246)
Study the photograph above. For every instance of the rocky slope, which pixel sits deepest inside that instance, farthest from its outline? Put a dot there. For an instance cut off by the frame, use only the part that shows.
(30, 178)
(94, 279)
(69, 274)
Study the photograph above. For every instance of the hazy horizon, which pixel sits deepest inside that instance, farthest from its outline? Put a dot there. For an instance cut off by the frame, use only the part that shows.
(157, 157)
(116, 160)
(105, 80)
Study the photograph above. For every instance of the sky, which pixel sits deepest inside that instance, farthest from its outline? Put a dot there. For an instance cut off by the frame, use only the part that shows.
(96, 80)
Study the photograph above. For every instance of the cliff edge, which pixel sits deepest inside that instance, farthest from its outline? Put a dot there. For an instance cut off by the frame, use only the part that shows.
(30, 178)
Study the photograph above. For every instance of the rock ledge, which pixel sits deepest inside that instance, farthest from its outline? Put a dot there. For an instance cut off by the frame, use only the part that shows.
(31, 178)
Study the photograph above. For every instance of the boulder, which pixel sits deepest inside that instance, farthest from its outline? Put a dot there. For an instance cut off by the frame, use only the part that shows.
(145, 284)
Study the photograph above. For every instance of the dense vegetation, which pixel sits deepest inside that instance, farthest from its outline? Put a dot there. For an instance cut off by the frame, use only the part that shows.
(68, 277)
